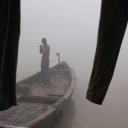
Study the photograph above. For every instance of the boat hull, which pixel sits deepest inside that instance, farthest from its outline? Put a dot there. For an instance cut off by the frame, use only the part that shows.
(40, 105)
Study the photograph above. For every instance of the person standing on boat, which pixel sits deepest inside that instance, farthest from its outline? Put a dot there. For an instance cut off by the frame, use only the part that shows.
(45, 51)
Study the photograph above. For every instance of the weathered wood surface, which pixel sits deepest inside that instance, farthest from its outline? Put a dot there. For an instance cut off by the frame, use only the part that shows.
(35, 99)
(22, 114)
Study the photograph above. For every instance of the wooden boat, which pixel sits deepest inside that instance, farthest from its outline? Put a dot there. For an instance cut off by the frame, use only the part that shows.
(39, 105)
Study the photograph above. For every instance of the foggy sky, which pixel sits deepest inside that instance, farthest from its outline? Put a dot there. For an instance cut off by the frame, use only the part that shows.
(70, 27)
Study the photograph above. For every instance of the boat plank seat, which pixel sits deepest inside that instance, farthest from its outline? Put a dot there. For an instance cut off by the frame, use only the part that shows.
(22, 113)
(38, 99)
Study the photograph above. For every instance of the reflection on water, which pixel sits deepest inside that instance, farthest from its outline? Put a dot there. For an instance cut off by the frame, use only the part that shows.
(68, 115)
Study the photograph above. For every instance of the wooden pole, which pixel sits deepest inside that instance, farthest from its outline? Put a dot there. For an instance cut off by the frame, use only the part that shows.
(58, 54)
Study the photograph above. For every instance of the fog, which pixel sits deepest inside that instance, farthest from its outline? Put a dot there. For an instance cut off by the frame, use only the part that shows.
(70, 27)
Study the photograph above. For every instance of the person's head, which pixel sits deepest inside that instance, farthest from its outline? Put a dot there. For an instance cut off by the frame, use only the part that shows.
(44, 41)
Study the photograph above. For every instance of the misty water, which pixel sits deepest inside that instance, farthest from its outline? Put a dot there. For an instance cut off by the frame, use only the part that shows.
(70, 27)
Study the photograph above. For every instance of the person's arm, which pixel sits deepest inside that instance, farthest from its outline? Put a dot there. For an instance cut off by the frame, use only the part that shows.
(41, 49)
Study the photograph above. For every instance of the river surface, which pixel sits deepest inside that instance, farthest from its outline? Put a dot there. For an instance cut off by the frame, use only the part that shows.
(70, 27)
